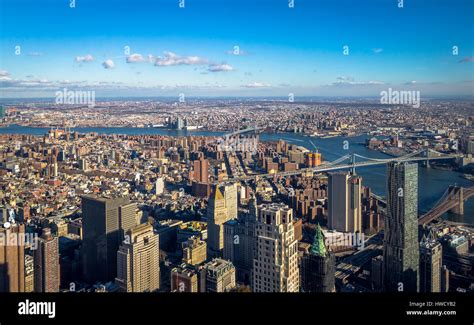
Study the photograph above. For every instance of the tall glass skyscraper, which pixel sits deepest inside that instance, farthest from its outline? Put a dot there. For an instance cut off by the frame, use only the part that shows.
(401, 248)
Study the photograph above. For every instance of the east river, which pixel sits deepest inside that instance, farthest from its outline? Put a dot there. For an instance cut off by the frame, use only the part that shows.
(432, 182)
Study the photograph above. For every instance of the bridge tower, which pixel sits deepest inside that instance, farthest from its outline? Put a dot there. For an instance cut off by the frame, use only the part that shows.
(427, 162)
(459, 196)
(353, 162)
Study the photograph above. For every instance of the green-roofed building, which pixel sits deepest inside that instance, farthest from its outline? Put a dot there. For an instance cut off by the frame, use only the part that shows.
(318, 266)
(319, 246)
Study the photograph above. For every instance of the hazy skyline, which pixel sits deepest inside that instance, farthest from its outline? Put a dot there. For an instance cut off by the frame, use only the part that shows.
(236, 48)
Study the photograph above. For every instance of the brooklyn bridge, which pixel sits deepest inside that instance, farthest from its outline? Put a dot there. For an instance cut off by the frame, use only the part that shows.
(452, 199)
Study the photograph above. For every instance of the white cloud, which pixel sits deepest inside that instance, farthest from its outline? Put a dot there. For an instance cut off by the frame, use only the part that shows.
(220, 67)
(135, 58)
(377, 50)
(256, 85)
(350, 81)
(85, 58)
(35, 54)
(108, 64)
(170, 59)
(345, 79)
(5, 76)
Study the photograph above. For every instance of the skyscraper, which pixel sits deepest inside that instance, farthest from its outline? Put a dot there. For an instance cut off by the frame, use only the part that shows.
(275, 266)
(29, 273)
(431, 253)
(401, 248)
(200, 184)
(216, 217)
(344, 202)
(239, 242)
(179, 123)
(376, 273)
(201, 170)
(12, 259)
(127, 218)
(318, 266)
(138, 260)
(104, 223)
(217, 275)
(230, 195)
(46, 260)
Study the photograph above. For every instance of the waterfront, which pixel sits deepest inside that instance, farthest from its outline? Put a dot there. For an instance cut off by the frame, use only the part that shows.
(432, 182)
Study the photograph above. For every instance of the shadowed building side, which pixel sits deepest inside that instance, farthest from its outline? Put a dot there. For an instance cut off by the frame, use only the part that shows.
(318, 266)
(46, 261)
(401, 247)
(12, 260)
(104, 222)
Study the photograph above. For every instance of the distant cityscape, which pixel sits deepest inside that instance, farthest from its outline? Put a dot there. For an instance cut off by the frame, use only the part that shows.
(229, 212)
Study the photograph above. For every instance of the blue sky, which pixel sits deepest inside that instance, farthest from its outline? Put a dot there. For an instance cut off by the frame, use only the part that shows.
(190, 50)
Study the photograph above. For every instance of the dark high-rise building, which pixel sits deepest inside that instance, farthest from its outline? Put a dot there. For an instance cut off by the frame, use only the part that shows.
(318, 266)
(444, 279)
(12, 260)
(104, 223)
(201, 189)
(431, 253)
(376, 273)
(46, 261)
(239, 242)
(401, 248)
